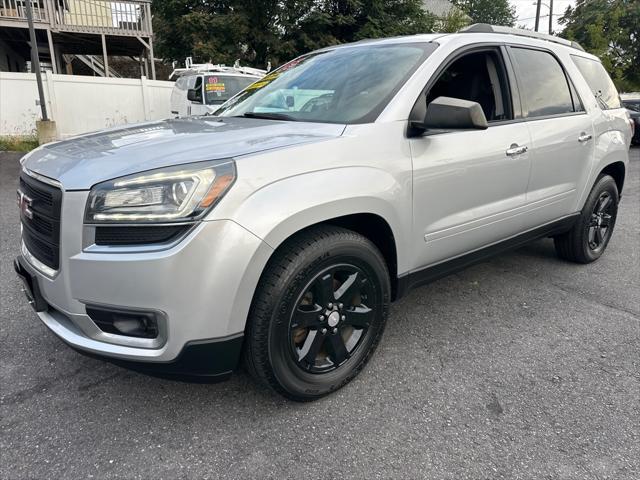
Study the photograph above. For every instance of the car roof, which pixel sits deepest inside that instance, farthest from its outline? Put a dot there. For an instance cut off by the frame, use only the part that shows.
(479, 33)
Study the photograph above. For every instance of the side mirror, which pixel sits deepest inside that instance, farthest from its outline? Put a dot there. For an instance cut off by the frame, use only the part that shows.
(446, 113)
(194, 95)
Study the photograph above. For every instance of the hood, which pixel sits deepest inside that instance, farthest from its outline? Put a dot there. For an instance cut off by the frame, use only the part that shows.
(81, 162)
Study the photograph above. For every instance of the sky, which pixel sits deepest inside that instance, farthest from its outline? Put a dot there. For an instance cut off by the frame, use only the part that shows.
(526, 11)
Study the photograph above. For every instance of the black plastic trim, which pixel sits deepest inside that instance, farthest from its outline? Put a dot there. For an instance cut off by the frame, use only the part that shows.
(31, 287)
(41, 230)
(200, 361)
(446, 267)
(103, 317)
(138, 235)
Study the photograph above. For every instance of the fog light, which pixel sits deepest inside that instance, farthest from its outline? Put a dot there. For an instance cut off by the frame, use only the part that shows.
(121, 322)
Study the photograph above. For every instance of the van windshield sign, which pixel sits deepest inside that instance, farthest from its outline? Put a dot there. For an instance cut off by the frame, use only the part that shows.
(214, 85)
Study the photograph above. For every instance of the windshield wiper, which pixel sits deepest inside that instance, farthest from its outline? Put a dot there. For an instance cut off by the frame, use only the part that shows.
(270, 116)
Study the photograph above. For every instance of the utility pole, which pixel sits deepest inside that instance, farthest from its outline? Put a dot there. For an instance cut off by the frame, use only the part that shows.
(538, 14)
(550, 17)
(35, 60)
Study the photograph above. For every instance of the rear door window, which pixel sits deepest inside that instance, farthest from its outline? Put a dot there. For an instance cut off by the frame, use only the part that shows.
(598, 79)
(544, 86)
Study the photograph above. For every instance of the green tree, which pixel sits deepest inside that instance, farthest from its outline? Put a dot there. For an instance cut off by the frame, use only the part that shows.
(258, 31)
(495, 12)
(609, 29)
(453, 21)
(213, 31)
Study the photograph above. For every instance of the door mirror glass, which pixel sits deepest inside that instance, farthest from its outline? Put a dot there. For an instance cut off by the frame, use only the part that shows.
(446, 113)
(194, 95)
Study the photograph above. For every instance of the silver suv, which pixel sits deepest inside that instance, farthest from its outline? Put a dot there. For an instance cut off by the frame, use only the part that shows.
(278, 231)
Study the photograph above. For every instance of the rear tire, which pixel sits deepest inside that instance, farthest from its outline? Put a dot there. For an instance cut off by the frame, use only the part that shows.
(589, 237)
(318, 313)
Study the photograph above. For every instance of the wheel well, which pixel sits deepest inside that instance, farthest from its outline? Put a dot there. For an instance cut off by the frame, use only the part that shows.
(376, 229)
(617, 171)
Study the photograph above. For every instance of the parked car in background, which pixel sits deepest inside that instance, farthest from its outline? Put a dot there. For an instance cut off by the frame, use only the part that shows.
(631, 101)
(279, 230)
(202, 88)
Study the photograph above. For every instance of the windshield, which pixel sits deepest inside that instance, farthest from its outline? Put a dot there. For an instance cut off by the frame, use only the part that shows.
(343, 85)
(220, 88)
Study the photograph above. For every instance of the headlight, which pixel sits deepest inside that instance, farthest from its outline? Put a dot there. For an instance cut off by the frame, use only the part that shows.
(175, 194)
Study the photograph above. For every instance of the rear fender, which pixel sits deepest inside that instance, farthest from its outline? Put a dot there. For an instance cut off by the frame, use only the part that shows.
(611, 147)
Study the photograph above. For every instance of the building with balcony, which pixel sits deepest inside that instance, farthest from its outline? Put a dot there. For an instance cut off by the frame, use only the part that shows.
(87, 30)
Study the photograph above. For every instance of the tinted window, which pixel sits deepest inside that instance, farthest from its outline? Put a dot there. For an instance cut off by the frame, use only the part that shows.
(342, 85)
(543, 83)
(477, 77)
(599, 81)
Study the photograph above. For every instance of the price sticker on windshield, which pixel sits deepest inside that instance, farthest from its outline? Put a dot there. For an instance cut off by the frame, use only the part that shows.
(214, 85)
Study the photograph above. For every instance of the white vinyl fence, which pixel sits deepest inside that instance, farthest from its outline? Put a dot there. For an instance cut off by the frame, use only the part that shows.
(79, 104)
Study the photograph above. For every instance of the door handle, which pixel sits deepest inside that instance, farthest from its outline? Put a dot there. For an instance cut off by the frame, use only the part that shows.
(584, 137)
(515, 149)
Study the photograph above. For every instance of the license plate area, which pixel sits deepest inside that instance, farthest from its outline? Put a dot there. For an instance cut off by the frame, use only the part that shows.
(30, 287)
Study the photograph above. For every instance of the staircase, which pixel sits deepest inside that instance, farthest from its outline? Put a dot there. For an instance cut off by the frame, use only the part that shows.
(94, 62)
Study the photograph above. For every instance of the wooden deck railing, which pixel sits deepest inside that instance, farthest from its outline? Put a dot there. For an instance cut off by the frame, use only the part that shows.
(16, 9)
(123, 17)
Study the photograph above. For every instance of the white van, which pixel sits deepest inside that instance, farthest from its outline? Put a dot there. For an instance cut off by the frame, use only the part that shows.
(201, 89)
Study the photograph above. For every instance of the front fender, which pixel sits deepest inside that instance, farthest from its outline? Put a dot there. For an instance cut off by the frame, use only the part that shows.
(284, 207)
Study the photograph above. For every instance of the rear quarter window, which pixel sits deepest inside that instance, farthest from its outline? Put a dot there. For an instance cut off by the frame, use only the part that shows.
(599, 81)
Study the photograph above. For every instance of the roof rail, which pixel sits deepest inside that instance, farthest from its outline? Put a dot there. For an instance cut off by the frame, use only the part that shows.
(486, 28)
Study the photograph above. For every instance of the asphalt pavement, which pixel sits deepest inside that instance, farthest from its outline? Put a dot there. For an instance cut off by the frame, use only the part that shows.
(522, 367)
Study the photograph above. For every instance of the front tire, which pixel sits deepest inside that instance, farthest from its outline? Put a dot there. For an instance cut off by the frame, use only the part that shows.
(589, 237)
(318, 313)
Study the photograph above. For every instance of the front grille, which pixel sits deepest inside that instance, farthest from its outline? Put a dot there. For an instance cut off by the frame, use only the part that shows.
(142, 235)
(41, 232)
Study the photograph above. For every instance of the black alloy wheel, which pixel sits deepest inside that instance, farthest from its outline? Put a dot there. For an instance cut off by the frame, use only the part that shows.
(331, 318)
(598, 229)
(318, 313)
(588, 238)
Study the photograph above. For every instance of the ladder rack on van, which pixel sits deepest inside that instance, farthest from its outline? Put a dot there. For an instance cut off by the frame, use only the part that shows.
(486, 28)
(193, 68)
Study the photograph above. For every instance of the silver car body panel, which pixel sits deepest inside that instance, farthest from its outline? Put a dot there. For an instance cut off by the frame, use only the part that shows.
(179, 282)
(442, 195)
(80, 163)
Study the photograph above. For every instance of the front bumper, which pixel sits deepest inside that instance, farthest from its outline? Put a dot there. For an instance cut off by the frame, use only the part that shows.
(202, 287)
(199, 361)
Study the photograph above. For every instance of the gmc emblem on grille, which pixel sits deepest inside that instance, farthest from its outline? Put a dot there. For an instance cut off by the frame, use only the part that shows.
(24, 204)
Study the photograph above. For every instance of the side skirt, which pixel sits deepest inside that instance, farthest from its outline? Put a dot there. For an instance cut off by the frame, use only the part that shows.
(446, 267)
